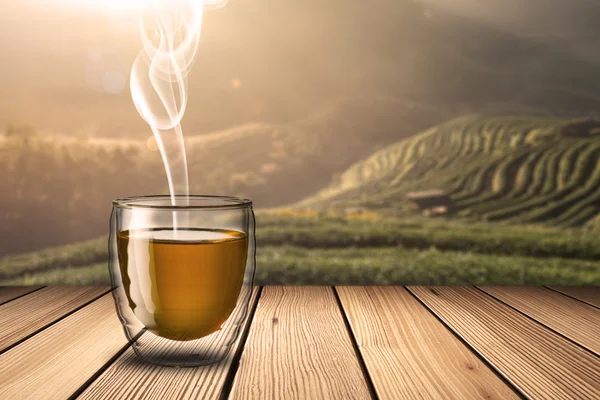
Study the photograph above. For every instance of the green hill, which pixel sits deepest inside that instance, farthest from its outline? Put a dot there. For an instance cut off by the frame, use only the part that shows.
(278, 164)
(273, 164)
(525, 170)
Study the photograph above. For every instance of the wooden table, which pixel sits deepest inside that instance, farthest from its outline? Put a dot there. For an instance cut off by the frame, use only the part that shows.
(318, 343)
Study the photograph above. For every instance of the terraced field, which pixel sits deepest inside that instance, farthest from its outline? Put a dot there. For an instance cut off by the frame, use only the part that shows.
(517, 169)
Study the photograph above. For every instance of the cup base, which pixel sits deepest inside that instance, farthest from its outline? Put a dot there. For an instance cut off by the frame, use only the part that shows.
(156, 350)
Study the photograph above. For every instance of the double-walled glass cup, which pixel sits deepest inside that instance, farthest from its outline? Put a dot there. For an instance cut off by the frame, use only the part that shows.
(182, 272)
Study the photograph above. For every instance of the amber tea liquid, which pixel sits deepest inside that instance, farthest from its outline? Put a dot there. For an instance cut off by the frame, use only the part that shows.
(183, 284)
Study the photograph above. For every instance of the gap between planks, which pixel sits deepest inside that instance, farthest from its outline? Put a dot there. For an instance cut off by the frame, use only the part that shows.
(10, 293)
(355, 346)
(587, 294)
(573, 319)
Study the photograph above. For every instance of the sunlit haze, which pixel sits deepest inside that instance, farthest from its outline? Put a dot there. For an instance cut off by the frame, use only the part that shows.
(123, 7)
(127, 6)
(276, 62)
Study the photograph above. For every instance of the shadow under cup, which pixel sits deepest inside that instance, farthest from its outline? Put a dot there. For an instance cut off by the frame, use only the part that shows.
(182, 275)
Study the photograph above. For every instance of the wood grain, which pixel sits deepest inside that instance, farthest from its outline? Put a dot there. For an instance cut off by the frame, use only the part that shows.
(8, 293)
(130, 378)
(410, 354)
(25, 315)
(298, 348)
(539, 362)
(54, 363)
(578, 321)
(589, 294)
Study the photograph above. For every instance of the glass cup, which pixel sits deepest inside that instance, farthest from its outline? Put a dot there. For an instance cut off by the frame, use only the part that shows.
(182, 272)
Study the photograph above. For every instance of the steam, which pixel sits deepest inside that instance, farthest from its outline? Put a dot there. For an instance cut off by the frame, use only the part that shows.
(170, 33)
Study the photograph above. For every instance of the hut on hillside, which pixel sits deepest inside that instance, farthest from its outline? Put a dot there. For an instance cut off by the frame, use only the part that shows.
(583, 128)
(431, 202)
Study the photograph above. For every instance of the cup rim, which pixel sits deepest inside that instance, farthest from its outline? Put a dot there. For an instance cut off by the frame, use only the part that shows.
(197, 202)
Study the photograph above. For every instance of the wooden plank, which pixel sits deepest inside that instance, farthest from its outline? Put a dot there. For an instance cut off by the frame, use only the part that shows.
(24, 316)
(57, 361)
(578, 321)
(298, 348)
(130, 378)
(539, 362)
(8, 293)
(588, 294)
(410, 354)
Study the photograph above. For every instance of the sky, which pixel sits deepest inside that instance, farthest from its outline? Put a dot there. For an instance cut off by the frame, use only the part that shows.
(64, 66)
(562, 18)
(54, 55)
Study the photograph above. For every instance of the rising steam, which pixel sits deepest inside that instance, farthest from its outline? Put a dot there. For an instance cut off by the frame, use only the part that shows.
(170, 32)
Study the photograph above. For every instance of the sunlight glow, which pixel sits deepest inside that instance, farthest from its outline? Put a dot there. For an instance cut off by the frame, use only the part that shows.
(116, 3)
(113, 6)
(129, 6)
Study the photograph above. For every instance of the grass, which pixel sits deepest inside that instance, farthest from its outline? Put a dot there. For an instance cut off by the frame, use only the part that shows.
(313, 249)
(64, 257)
(95, 274)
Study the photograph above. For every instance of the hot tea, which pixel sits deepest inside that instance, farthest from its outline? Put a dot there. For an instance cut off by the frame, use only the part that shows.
(182, 284)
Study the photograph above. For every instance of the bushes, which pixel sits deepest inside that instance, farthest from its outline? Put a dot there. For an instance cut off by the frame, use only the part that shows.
(479, 238)
(336, 250)
(72, 255)
(290, 265)
(400, 266)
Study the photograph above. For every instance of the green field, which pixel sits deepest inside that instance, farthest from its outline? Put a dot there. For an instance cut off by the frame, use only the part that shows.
(340, 250)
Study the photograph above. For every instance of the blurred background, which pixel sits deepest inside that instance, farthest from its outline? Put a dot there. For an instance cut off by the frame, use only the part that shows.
(389, 141)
